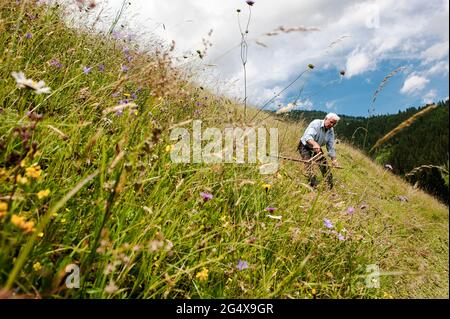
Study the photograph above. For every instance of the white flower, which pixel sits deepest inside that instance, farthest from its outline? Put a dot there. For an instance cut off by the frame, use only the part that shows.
(274, 216)
(111, 288)
(23, 82)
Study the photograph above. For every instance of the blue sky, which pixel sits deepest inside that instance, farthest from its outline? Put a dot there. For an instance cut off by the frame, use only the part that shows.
(366, 38)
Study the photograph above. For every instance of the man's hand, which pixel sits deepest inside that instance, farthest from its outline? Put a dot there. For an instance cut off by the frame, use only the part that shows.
(315, 146)
(334, 162)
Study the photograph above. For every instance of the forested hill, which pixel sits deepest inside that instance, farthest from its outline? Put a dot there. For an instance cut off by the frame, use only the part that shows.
(425, 142)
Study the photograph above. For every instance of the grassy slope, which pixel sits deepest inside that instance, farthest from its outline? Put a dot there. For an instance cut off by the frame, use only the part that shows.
(155, 233)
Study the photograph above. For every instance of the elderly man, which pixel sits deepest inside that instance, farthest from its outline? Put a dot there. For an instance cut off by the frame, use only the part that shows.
(317, 134)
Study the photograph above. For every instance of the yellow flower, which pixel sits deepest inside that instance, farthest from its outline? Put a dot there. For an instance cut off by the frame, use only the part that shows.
(3, 209)
(202, 275)
(3, 173)
(37, 266)
(20, 222)
(169, 148)
(266, 186)
(21, 180)
(23, 163)
(41, 234)
(43, 193)
(34, 171)
(127, 94)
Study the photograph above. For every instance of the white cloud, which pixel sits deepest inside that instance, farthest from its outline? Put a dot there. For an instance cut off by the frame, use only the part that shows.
(436, 52)
(413, 84)
(405, 30)
(357, 63)
(430, 97)
(440, 68)
(330, 105)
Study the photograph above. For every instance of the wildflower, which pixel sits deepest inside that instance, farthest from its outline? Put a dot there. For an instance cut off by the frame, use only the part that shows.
(340, 236)
(328, 223)
(242, 264)
(351, 210)
(34, 171)
(23, 82)
(124, 68)
(206, 196)
(28, 35)
(111, 288)
(266, 186)
(20, 222)
(21, 180)
(37, 266)
(311, 66)
(3, 209)
(155, 245)
(250, 3)
(169, 148)
(202, 275)
(55, 63)
(42, 194)
(86, 69)
(41, 234)
(101, 68)
(274, 216)
(271, 209)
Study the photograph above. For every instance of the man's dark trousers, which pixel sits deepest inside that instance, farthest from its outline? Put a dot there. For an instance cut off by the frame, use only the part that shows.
(306, 152)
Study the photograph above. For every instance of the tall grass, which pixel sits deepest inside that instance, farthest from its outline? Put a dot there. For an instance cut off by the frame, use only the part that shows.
(81, 186)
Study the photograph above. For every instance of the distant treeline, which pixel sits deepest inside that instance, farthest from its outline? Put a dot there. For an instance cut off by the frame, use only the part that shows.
(423, 144)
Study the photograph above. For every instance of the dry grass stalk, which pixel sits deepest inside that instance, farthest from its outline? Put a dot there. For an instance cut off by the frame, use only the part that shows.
(402, 125)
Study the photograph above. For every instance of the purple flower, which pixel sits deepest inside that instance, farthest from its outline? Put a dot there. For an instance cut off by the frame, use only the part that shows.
(133, 96)
(129, 58)
(340, 236)
(328, 223)
(206, 196)
(351, 210)
(123, 101)
(126, 50)
(250, 3)
(86, 70)
(55, 63)
(124, 68)
(101, 67)
(242, 264)
(28, 35)
(119, 113)
(271, 209)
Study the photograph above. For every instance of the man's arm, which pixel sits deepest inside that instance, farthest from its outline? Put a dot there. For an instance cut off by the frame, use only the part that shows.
(315, 146)
(310, 132)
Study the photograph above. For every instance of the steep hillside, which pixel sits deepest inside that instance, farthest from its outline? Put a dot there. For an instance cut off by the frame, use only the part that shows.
(88, 189)
(424, 143)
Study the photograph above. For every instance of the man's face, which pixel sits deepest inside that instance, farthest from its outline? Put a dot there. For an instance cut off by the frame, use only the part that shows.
(329, 123)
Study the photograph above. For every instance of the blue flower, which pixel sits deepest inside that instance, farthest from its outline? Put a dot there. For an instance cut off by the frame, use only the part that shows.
(328, 223)
(242, 264)
(86, 70)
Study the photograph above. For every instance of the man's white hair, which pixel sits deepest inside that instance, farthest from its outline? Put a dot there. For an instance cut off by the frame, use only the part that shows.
(332, 116)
